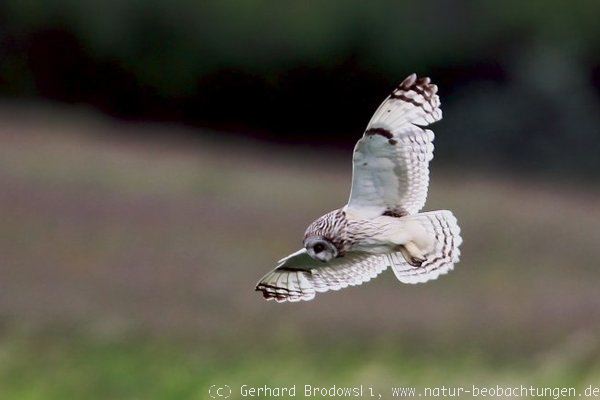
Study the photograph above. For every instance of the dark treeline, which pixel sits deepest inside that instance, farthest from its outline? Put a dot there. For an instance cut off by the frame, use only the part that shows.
(519, 80)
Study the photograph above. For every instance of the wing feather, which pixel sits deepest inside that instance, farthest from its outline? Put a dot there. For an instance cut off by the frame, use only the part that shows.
(299, 277)
(391, 160)
(443, 255)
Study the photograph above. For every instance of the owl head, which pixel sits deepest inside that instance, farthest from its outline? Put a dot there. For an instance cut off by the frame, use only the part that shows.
(320, 248)
(324, 238)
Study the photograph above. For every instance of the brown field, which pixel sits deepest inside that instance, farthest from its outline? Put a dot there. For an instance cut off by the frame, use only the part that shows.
(169, 236)
(160, 239)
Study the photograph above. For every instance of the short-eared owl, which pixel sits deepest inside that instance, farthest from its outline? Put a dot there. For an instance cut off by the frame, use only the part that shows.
(381, 225)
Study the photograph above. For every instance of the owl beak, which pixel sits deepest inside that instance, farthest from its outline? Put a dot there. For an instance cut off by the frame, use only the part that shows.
(321, 258)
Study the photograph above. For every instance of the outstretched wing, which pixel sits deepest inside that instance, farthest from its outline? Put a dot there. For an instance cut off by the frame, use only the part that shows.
(391, 161)
(299, 277)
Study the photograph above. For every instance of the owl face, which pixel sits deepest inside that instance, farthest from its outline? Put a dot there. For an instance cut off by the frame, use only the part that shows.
(320, 248)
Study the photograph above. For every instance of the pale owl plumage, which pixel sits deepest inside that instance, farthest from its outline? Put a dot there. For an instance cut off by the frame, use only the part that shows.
(381, 225)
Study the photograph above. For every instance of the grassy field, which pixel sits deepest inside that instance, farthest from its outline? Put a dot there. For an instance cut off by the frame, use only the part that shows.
(57, 367)
(128, 268)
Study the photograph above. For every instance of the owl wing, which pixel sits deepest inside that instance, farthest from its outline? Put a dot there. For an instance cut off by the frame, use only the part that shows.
(440, 258)
(299, 277)
(391, 161)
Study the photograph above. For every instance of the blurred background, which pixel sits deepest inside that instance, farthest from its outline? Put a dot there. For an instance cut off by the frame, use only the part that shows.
(157, 157)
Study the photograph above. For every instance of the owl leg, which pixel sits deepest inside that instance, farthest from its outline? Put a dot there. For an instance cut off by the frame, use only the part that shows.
(412, 254)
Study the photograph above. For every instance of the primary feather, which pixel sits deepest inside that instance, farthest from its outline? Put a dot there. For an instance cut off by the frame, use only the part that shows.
(298, 277)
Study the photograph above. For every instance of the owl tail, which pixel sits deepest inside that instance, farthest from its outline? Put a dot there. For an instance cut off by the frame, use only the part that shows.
(440, 258)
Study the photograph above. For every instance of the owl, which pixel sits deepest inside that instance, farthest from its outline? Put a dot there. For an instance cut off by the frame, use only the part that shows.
(381, 225)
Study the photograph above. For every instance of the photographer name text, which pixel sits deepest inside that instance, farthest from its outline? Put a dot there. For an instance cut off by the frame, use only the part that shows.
(309, 391)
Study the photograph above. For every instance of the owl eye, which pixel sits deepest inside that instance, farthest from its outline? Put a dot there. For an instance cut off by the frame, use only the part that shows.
(319, 247)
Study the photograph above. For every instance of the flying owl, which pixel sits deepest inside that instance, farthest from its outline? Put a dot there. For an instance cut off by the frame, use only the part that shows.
(381, 225)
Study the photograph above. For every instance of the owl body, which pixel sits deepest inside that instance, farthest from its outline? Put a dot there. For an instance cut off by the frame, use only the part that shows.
(349, 231)
(381, 226)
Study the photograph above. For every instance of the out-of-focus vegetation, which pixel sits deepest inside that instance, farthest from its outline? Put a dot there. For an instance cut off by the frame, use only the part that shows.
(169, 45)
(519, 80)
(55, 367)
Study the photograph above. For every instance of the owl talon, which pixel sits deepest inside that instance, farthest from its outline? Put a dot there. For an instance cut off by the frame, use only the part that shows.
(413, 255)
(416, 262)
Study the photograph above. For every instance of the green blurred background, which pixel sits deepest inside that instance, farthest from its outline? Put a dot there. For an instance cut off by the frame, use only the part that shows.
(156, 158)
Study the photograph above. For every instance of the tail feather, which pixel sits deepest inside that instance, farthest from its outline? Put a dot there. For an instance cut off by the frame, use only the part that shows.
(440, 259)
